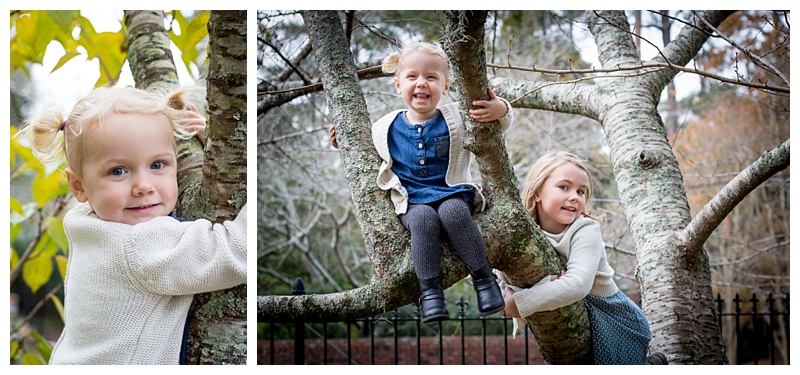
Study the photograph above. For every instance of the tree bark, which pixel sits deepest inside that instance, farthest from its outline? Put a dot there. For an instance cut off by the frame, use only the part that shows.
(562, 334)
(149, 55)
(218, 323)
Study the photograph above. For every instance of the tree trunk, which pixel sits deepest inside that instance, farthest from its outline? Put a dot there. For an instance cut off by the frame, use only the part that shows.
(218, 323)
(675, 281)
(512, 238)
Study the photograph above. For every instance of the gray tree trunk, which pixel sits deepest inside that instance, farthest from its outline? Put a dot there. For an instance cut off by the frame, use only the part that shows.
(675, 279)
(218, 323)
(218, 327)
(516, 246)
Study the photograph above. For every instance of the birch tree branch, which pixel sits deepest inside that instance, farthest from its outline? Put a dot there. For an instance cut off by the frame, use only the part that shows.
(718, 208)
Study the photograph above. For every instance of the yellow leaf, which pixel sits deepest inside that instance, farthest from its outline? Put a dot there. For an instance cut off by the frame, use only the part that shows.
(46, 188)
(16, 206)
(31, 359)
(64, 19)
(59, 306)
(61, 262)
(64, 59)
(15, 349)
(55, 228)
(37, 271)
(193, 34)
(14, 258)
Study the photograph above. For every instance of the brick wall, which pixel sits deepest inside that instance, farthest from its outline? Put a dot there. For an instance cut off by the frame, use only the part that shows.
(384, 351)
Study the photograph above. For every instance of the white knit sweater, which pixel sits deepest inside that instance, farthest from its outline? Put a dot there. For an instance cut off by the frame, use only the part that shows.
(128, 288)
(581, 247)
(459, 158)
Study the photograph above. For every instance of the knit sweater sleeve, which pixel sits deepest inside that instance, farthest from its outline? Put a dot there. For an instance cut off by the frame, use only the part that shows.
(177, 258)
(585, 248)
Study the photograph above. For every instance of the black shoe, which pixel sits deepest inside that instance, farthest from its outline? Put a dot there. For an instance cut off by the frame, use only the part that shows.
(490, 299)
(431, 300)
(656, 358)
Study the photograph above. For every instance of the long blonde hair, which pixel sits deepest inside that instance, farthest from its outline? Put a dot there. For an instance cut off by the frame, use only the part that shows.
(51, 135)
(542, 169)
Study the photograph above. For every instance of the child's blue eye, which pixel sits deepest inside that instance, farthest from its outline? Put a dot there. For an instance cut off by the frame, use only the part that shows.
(157, 165)
(117, 172)
(581, 192)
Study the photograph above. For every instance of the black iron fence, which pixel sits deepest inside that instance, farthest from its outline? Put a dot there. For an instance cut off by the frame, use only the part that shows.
(759, 335)
(755, 332)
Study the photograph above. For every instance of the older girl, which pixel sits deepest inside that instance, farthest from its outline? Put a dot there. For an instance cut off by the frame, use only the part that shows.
(556, 194)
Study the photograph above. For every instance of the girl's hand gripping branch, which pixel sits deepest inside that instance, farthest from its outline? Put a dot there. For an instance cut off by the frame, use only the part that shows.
(193, 121)
(490, 110)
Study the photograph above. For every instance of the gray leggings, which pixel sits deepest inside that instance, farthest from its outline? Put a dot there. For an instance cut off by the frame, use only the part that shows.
(426, 221)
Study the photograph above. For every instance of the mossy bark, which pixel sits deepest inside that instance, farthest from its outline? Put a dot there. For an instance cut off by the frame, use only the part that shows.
(218, 323)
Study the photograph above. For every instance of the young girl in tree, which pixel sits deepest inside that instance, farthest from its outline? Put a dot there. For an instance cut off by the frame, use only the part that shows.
(426, 169)
(556, 193)
(133, 267)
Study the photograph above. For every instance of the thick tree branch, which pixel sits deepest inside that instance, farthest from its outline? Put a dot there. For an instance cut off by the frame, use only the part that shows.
(681, 50)
(718, 208)
(372, 299)
(276, 98)
(521, 250)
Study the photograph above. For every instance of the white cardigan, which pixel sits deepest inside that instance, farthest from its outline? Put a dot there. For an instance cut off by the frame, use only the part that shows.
(459, 158)
(128, 288)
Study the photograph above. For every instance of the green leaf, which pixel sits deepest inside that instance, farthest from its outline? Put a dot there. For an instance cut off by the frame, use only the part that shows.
(46, 188)
(37, 271)
(55, 228)
(44, 347)
(64, 19)
(31, 359)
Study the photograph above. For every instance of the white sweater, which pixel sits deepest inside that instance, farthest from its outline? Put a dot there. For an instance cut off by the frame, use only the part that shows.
(128, 288)
(581, 246)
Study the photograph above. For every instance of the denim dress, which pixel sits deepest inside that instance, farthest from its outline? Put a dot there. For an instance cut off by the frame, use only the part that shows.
(420, 158)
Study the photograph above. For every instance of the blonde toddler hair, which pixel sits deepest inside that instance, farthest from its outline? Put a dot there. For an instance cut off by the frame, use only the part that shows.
(45, 131)
(542, 169)
(391, 64)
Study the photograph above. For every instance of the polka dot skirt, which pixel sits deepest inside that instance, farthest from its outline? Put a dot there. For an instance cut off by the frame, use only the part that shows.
(620, 332)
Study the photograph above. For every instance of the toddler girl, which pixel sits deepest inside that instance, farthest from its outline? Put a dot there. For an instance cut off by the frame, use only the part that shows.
(556, 192)
(132, 267)
(426, 169)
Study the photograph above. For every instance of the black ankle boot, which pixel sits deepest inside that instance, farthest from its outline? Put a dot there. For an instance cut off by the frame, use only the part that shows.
(490, 299)
(431, 300)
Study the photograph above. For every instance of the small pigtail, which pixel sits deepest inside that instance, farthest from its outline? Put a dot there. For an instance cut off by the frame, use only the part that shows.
(45, 135)
(390, 64)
